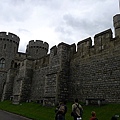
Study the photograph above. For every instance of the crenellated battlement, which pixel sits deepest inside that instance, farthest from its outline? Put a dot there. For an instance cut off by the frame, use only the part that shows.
(37, 48)
(55, 50)
(84, 46)
(102, 41)
(38, 44)
(9, 37)
(104, 34)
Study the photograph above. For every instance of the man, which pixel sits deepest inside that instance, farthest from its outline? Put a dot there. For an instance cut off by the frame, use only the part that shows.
(77, 110)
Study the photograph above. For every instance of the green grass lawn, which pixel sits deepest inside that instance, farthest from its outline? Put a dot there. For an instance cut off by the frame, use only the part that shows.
(39, 112)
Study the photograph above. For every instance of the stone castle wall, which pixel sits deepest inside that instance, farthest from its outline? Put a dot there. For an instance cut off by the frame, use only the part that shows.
(3, 76)
(96, 76)
(69, 71)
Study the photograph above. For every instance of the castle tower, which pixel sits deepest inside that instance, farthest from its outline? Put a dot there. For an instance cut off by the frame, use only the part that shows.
(37, 49)
(9, 44)
(116, 22)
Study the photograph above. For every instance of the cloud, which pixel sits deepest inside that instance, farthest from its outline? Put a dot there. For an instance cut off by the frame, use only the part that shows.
(56, 21)
(15, 10)
(23, 30)
(87, 20)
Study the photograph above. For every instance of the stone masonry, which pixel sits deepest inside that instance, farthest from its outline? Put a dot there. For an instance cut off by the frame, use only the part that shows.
(67, 72)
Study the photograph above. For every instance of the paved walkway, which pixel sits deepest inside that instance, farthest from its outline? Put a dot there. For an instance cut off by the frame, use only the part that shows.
(10, 116)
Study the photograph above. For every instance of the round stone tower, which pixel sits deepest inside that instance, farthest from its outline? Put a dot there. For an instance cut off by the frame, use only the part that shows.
(37, 49)
(116, 22)
(9, 44)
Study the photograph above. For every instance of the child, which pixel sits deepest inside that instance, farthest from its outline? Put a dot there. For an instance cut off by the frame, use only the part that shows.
(93, 116)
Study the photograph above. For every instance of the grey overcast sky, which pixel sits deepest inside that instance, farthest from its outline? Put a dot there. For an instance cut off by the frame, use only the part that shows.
(56, 21)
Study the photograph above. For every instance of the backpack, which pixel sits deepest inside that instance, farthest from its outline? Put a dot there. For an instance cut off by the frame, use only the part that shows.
(74, 114)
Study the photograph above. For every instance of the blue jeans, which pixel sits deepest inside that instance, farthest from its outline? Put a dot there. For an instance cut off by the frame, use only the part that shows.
(60, 117)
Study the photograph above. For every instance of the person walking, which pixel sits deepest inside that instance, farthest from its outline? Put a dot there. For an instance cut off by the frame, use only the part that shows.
(77, 110)
(61, 110)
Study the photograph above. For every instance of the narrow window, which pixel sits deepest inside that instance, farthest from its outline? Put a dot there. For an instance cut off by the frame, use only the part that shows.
(4, 46)
(37, 51)
(15, 49)
(12, 64)
(2, 63)
(15, 65)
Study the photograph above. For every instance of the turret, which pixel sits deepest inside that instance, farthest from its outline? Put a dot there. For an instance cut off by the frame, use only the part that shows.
(37, 49)
(116, 22)
(9, 44)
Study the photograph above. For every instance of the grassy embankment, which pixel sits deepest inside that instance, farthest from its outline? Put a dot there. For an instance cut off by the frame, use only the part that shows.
(38, 112)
